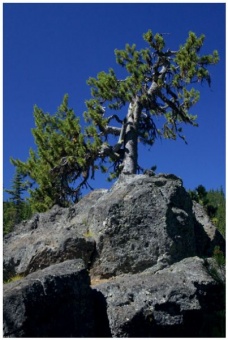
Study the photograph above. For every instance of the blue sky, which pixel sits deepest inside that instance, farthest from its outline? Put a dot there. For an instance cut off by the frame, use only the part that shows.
(52, 49)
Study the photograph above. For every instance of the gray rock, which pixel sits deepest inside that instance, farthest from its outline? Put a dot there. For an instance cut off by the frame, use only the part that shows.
(48, 238)
(207, 235)
(53, 302)
(143, 236)
(141, 222)
(180, 301)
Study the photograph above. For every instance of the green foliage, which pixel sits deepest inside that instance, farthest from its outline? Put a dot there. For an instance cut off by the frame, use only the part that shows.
(11, 216)
(192, 65)
(159, 81)
(219, 256)
(16, 209)
(200, 195)
(217, 199)
(215, 204)
(15, 194)
(60, 166)
(158, 93)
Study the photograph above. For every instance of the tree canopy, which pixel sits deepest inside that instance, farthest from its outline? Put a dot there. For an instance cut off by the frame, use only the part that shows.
(152, 101)
(62, 158)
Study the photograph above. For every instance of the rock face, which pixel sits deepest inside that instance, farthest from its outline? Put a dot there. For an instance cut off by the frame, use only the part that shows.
(179, 301)
(142, 222)
(49, 238)
(144, 232)
(53, 302)
(207, 235)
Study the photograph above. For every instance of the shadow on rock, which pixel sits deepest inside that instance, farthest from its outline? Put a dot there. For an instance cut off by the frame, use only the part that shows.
(102, 329)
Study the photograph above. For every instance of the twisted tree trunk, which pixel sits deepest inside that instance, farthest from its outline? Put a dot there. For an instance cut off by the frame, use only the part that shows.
(130, 160)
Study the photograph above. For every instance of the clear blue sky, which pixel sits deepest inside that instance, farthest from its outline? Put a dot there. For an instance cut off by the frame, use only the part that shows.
(52, 49)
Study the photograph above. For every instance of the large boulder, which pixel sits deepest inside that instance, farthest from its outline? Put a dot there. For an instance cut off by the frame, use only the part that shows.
(145, 237)
(53, 302)
(180, 301)
(142, 221)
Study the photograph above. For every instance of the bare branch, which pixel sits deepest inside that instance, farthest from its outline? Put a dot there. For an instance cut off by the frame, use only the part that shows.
(114, 117)
(112, 130)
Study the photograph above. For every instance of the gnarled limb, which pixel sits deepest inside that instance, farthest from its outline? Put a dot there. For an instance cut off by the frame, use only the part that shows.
(116, 131)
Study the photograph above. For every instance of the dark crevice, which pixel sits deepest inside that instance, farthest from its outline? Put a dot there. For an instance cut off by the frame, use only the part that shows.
(102, 328)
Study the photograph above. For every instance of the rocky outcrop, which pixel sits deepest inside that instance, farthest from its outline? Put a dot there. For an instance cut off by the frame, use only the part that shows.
(141, 222)
(180, 301)
(183, 300)
(53, 302)
(144, 232)
(49, 238)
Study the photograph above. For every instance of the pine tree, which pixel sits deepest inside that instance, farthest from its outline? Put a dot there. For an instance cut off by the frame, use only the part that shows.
(16, 196)
(16, 208)
(157, 92)
(9, 217)
(152, 101)
(63, 161)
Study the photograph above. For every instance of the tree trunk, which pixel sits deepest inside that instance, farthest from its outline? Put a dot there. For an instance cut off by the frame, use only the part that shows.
(130, 160)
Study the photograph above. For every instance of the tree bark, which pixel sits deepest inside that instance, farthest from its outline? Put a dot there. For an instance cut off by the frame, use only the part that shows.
(130, 160)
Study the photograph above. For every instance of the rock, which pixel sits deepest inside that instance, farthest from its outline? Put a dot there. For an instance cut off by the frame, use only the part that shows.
(144, 237)
(180, 301)
(142, 221)
(48, 238)
(53, 302)
(149, 172)
(207, 235)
